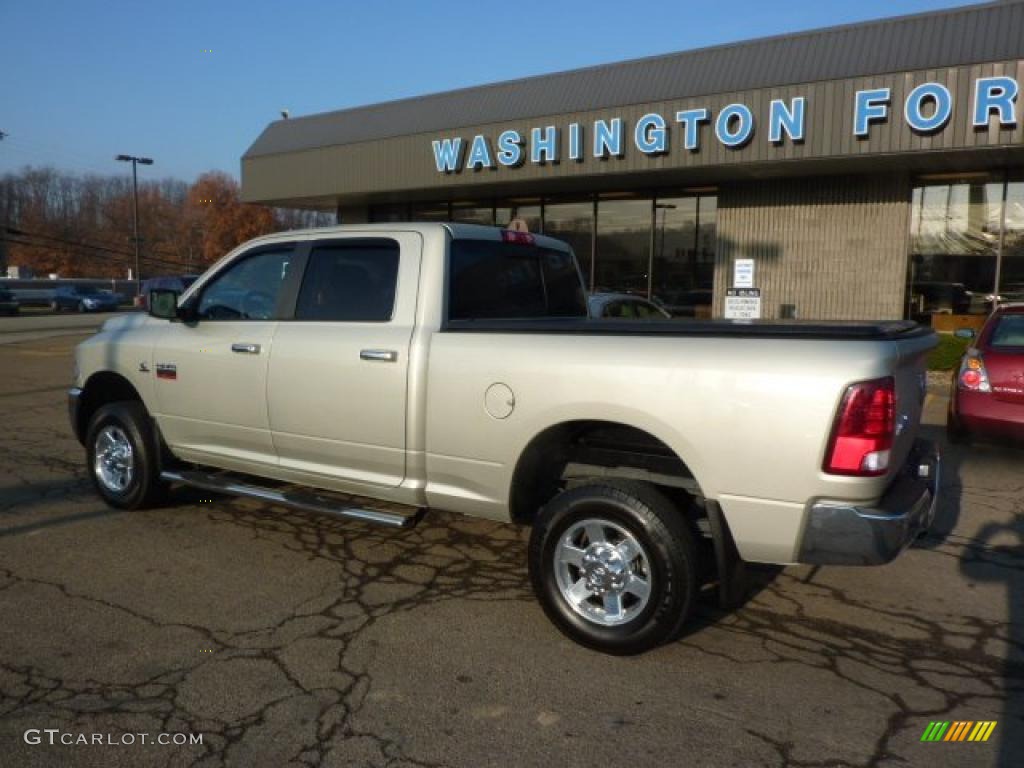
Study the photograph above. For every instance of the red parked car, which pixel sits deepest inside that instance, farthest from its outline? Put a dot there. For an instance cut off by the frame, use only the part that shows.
(988, 394)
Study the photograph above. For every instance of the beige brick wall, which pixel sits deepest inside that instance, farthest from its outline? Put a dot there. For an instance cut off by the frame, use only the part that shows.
(836, 247)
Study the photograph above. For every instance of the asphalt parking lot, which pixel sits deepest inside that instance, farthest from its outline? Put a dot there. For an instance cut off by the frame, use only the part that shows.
(288, 639)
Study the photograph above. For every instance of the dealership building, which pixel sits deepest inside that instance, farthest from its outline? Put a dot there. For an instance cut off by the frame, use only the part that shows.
(867, 171)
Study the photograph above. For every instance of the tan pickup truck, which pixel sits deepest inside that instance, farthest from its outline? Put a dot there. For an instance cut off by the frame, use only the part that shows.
(377, 371)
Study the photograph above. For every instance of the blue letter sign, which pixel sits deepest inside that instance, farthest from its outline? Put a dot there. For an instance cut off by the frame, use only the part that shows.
(544, 145)
(744, 120)
(447, 154)
(608, 138)
(510, 149)
(995, 94)
(790, 120)
(869, 106)
(649, 136)
(914, 114)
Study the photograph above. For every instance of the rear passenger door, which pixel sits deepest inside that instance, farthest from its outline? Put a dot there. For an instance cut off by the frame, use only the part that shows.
(337, 384)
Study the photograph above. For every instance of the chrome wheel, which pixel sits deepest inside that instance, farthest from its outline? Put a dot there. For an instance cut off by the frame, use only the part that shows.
(603, 572)
(114, 462)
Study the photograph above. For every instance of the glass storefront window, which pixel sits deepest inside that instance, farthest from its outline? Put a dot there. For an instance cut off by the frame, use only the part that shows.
(431, 212)
(954, 241)
(471, 213)
(393, 212)
(573, 223)
(502, 215)
(530, 213)
(684, 254)
(1011, 272)
(683, 238)
(622, 257)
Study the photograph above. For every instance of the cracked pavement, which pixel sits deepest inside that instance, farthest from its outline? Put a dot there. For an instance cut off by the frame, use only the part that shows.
(287, 639)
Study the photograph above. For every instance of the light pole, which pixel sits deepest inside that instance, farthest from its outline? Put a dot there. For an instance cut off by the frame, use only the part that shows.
(135, 209)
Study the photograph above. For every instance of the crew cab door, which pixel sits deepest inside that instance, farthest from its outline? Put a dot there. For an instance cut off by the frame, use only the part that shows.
(338, 376)
(211, 371)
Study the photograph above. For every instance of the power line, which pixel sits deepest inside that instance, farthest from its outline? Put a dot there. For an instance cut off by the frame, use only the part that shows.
(50, 155)
(127, 256)
(80, 243)
(118, 256)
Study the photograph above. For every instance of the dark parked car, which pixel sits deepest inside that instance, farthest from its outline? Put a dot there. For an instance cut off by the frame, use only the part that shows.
(8, 304)
(177, 283)
(692, 303)
(988, 394)
(83, 299)
(940, 298)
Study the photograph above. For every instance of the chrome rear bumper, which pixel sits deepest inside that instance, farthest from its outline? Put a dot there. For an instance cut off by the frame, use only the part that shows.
(840, 533)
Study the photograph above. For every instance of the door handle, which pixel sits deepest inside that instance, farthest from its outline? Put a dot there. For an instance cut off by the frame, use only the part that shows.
(380, 355)
(245, 349)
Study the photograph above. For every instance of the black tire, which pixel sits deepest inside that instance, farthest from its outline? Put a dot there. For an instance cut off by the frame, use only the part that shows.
(144, 489)
(662, 531)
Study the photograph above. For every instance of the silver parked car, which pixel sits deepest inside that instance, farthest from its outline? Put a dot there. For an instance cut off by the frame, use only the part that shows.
(624, 305)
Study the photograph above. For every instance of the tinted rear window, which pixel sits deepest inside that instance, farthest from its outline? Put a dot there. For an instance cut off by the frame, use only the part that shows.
(496, 280)
(1009, 332)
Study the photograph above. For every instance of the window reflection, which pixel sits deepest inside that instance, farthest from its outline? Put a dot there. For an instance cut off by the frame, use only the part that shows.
(431, 212)
(390, 212)
(954, 240)
(684, 254)
(622, 260)
(473, 214)
(573, 223)
(527, 211)
(1011, 273)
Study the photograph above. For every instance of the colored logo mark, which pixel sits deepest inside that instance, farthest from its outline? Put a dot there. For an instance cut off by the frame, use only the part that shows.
(959, 730)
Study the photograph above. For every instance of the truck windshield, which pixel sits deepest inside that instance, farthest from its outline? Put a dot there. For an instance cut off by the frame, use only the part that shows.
(490, 279)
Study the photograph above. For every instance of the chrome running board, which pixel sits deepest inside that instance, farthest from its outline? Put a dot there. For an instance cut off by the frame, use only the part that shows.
(322, 502)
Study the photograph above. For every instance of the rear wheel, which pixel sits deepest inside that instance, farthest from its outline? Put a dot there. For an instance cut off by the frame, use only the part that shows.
(614, 566)
(122, 456)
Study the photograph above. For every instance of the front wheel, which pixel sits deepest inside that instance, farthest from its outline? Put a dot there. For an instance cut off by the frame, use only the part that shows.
(613, 564)
(121, 455)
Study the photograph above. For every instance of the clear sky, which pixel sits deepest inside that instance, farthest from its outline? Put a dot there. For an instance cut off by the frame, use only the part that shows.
(81, 81)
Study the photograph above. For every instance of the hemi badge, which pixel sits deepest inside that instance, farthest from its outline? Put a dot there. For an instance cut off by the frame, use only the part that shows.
(166, 371)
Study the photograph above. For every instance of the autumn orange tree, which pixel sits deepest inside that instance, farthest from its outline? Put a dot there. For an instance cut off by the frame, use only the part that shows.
(215, 211)
(81, 226)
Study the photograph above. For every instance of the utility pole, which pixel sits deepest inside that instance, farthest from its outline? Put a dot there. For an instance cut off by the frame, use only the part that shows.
(135, 161)
(3, 231)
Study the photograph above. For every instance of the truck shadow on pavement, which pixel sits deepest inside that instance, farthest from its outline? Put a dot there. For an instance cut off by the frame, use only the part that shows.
(921, 667)
(308, 674)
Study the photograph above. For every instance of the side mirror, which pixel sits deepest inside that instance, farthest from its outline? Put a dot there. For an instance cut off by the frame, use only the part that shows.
(964, 333)
(163, 303)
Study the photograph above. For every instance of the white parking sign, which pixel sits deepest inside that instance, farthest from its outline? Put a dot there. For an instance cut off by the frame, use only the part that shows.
(743, 273)
(743, 304)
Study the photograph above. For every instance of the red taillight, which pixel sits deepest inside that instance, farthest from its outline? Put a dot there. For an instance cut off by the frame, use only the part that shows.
(864, 428)
(511, 236)
(972, 375)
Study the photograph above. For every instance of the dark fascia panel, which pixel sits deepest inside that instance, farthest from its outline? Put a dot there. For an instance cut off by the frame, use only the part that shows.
(954, 37)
